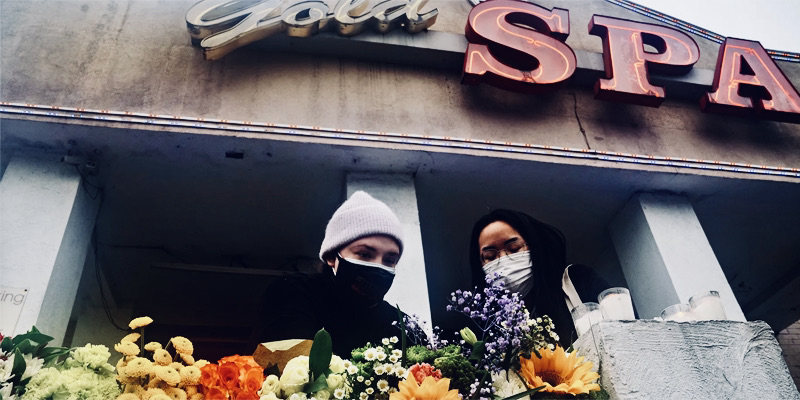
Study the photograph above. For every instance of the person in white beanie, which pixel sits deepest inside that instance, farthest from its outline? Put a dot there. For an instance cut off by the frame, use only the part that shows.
(362, 245)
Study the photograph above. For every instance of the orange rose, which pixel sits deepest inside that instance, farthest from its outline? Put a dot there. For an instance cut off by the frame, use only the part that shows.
(240, 361)
(247, 395)
(216, 393)
(209, 375)
(228, 375)
(253, 379)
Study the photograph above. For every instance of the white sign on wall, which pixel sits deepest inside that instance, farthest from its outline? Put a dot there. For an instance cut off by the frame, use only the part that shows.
(11, 301)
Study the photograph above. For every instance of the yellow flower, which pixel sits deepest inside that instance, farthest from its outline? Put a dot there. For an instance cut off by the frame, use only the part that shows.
(155, 394)
(127, 348)
(201, 363)
(168, 375)
(429, 390)
(189, 360)
(152, 346)
(138, 367)
(140, 322)
(128, 396)
(162, 357)
(558, 372)
(133, 337)
(176, 394)
(190, 376)
(182, 345)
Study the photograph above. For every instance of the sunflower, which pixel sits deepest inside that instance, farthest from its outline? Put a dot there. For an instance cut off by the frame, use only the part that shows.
(558, 372)
(430, 389)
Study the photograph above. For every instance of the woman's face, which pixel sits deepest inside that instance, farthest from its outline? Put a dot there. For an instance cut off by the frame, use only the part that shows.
(377, 248)
(499, 239)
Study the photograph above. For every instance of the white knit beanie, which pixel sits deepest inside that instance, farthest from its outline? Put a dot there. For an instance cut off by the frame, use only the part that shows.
(360, 215)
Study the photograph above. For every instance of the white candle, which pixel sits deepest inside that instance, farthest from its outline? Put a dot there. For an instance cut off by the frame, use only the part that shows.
(678, 313)
(681, 316)
(616, 306)
(585, 315)
(708, 307)
(584, 323)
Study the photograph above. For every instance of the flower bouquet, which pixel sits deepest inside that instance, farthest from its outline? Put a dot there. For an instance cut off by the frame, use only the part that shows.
(164, 375)
(319, 375)
(21, 358)
(84, 374)
(233, 377)
(516, 356)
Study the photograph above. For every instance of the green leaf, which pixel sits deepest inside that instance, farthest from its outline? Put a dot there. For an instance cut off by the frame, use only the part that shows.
(477, 351)
(317, 385)
(52, 350)
(523, 394)
(53, 353)
(7, 344)
(25, 346)
(321, 353)
(37, 337)
(18, 368)
(402, 322)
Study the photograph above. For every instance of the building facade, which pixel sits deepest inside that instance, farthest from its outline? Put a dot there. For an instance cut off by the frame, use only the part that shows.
(139, 177)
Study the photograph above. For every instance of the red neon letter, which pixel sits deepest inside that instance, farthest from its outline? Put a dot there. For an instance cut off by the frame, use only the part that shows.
(747, 81)
(524, 59)
(627, 61)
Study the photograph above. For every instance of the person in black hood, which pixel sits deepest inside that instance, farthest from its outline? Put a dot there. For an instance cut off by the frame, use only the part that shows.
(362, 245)
(530, 256)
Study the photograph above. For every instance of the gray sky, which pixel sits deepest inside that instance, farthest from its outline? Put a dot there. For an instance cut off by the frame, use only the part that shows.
(774, 23)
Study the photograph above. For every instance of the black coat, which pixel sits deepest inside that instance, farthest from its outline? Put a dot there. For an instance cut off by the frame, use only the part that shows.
(298, 307)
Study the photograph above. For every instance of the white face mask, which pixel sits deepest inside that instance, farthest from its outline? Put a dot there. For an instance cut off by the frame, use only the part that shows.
(516, 273)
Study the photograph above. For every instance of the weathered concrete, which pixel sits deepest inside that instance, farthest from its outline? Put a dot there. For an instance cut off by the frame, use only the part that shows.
(688, 360)
(47, 220)
(665, 255)
(136, 56)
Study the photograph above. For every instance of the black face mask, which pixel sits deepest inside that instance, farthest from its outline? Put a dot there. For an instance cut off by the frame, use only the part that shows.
(362, 284)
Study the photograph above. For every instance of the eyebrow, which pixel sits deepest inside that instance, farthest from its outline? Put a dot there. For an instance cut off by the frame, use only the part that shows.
(363, 247)
(514, 239)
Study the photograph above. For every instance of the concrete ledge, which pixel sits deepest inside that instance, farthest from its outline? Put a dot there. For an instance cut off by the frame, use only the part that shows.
(646, 359)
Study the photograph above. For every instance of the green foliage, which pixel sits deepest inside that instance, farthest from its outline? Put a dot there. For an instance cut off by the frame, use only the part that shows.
(420, 354)
(319, 361)
(31, 345)
(459, 369)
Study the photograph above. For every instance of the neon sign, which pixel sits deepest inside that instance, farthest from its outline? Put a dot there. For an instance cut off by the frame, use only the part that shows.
(522, 58)
(221, 26)
(519, 46)
(747, 80)
(627, 61)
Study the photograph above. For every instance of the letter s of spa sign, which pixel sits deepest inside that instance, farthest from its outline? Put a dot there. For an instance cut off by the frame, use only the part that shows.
(519, 46)
(221, 26)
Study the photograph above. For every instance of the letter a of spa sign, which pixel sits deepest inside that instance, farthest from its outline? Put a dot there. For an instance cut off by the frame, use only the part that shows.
(519, 46)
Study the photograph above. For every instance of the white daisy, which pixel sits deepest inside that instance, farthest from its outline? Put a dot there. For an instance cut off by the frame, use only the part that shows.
(383, 385)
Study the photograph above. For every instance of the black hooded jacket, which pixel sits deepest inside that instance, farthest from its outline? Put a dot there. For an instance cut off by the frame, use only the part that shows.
(298, 307)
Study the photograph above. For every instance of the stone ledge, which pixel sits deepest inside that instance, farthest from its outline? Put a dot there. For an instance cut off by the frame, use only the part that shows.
(646, 359)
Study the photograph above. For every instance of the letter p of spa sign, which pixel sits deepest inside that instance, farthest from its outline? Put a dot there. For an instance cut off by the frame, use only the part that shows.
(520, 46)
